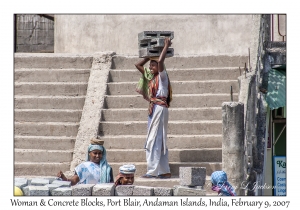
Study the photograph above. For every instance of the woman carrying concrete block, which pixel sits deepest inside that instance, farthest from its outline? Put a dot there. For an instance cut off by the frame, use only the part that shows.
(95, 169)
(155, 87)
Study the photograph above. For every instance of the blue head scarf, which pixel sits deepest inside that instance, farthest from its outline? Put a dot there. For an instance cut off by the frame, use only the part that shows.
(220, 184)
(94, 147)
(105, 167)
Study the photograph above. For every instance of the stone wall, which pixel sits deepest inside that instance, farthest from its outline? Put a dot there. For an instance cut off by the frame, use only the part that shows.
(192, 181)
(255, 106)
(34, 33)
(193, 34)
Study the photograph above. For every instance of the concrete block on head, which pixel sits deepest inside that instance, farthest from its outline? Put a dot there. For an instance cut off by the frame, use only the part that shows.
(188, 191)
(82, 189)
(52, 187)
(154, 52)
(62, 183)
(143, 190)
(192, 176)
(104, 189)
(62, 191)
(124, 190)
(146, 35)
(39, 182)
(163, 191)
(38, 190)
(152, 43)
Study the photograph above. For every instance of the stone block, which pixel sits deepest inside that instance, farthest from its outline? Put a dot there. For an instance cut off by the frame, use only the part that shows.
(23, 48)
(233, 127)
(143, 190)
(39, 182)
(52, 187)
(104, 189)
(50, 178)
(152, 43)
(62, 191)
(163, 191)
(154, 52)
(192, 176)
(62, 183)
(38, 190)
(26, 190)
(21, 182)
(82, 189)
(146, 35)
(23, 33)
(188, 191)
(124, 190)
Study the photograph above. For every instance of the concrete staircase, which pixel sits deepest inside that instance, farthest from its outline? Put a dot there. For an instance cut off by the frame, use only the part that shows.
(200, 85)
(49, 96)
(49, 93)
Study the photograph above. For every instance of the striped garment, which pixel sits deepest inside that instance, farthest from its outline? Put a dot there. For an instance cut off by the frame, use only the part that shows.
(148, 86)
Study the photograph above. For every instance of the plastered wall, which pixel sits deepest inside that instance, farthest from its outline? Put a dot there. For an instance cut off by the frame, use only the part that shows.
(193, 34)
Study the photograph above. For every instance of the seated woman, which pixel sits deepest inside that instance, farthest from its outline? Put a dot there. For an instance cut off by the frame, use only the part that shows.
(221, 185)
(95, 169)
(126, 175)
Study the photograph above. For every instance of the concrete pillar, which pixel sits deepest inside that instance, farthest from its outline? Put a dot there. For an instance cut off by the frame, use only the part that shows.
(233, 144)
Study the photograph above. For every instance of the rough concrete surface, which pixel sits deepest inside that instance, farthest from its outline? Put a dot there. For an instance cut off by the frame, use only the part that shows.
(82, 189)
(124, 190)
(233, 143)
(192, 176)
(91, 113)
(104, 189)
(188, 191)
(143, 191)
(163, 191)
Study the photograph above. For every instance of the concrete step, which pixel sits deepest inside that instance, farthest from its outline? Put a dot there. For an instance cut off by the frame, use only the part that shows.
(43, 155)
(175, 155)
(51, 75)
(176, 62)
(190, 74)
(179, 101)
(45, 142)
(179, 87)
(203, 113)
(39, 168)
(46, 129)
(50, 88)
(141, 167)
(49, 102)
(173, 142)
(174, 127)
(52, 60)
(47, 115)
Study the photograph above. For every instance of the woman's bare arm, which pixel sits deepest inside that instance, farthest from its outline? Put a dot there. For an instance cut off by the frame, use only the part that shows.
(162, 56)
(74, 179)
(140, 65)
